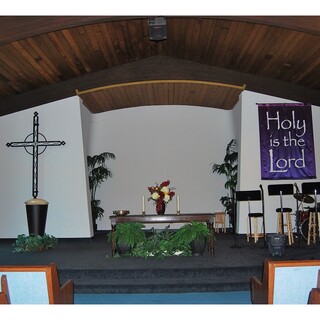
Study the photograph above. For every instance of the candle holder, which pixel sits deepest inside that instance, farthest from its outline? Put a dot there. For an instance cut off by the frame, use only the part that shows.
(178, 204)
(143, 211)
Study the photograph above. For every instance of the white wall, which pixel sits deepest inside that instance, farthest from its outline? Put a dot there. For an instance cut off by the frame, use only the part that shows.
(86, 121)
(156, 143)
(62, 171)
(151, 144)
(249, 158)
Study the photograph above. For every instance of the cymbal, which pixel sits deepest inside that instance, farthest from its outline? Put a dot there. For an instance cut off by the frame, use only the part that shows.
(303, 197)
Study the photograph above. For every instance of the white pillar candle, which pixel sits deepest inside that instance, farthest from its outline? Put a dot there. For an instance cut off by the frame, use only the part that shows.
(143, 204)
(178, 203)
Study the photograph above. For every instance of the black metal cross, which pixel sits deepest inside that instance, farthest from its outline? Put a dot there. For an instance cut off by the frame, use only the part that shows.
(35, 143)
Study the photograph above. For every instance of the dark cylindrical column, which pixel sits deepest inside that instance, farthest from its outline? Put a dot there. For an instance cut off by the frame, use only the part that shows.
(36, 216)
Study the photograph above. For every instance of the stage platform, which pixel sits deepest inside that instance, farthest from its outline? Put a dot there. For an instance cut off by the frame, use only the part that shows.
(89, 264)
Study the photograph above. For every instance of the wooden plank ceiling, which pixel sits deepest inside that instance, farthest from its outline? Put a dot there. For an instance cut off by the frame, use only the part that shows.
(111, 63)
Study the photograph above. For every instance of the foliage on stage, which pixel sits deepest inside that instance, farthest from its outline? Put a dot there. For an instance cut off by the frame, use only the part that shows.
(160, 244)
(34, 243)
(192, 232)
(128, 233)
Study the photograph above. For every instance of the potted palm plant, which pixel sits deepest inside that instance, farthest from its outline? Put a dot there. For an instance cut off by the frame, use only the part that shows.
(161, 244)
(229, 168)
(195, 234)
(98, 173)
(127, 236)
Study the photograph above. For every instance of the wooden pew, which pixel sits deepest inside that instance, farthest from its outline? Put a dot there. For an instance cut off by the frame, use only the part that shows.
(285, 282)
(314, 297)
(37, 284)
(4, 293)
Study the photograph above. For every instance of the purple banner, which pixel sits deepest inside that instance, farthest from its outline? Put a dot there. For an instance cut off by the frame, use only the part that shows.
(286, 141)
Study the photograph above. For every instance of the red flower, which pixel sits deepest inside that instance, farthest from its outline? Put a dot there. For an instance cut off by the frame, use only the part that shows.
(161, 192)
(165, 183)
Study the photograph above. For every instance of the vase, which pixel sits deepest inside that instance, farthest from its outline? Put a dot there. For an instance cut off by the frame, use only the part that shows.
(123, 248)
(198, 246)
(160, 207)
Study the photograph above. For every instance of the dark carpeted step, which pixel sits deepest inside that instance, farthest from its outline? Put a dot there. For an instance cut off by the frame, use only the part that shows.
(159, 273)
(157, 281)
(164, 287)
(160, 281)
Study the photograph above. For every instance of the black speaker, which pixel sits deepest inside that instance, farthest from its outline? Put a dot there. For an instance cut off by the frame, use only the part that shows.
(157, 28)
(276, 244)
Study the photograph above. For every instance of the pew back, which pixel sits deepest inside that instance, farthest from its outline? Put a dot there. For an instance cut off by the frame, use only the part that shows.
(292, 284)
(314, 297)
(285, 282)
(4, 292)
(36, 285)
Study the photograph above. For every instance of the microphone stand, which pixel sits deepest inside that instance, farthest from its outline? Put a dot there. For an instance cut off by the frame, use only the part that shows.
(235, 246)
(298, 215)
(281, 206)
(263, 216)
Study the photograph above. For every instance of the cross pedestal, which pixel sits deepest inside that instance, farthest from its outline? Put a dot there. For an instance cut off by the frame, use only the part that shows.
(36, 208)
(37, 216)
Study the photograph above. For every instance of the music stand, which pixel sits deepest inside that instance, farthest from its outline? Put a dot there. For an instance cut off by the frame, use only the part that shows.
(252, 195)
(280, 190)
(310, 187)
(275, 189)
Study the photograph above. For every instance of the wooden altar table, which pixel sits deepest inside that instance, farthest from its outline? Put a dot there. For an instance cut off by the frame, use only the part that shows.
(208, 218)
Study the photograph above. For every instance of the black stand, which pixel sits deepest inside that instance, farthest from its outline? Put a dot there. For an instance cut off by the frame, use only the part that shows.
(263, 220)
(235, 246)
(312, 188)
(252, 195)
(280, 190)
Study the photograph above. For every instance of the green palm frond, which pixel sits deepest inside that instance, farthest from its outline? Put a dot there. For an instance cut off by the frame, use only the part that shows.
(229, 167)
(98, 172)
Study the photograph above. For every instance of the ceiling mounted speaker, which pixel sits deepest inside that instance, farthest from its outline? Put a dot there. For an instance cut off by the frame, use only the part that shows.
(157, 28)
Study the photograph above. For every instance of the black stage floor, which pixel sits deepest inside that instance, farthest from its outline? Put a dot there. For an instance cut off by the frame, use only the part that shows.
(95, 253)
(89, 264)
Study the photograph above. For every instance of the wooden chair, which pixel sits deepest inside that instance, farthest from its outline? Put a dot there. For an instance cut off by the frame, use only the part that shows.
(314, 297)
(38, 284)
(285, 282)
(4, 293)
(220, 219)
(284, 221)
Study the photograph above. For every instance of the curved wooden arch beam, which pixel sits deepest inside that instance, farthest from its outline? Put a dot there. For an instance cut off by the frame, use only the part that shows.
(161, 92)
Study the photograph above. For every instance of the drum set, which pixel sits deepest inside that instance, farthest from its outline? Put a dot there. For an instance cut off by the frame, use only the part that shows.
(303, 212)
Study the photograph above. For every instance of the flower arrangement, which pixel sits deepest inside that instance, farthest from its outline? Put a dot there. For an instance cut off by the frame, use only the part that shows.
(161, 193)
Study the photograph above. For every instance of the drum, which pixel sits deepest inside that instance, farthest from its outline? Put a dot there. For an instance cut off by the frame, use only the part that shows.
(315, 208)
(304, 215)
(304, 228)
